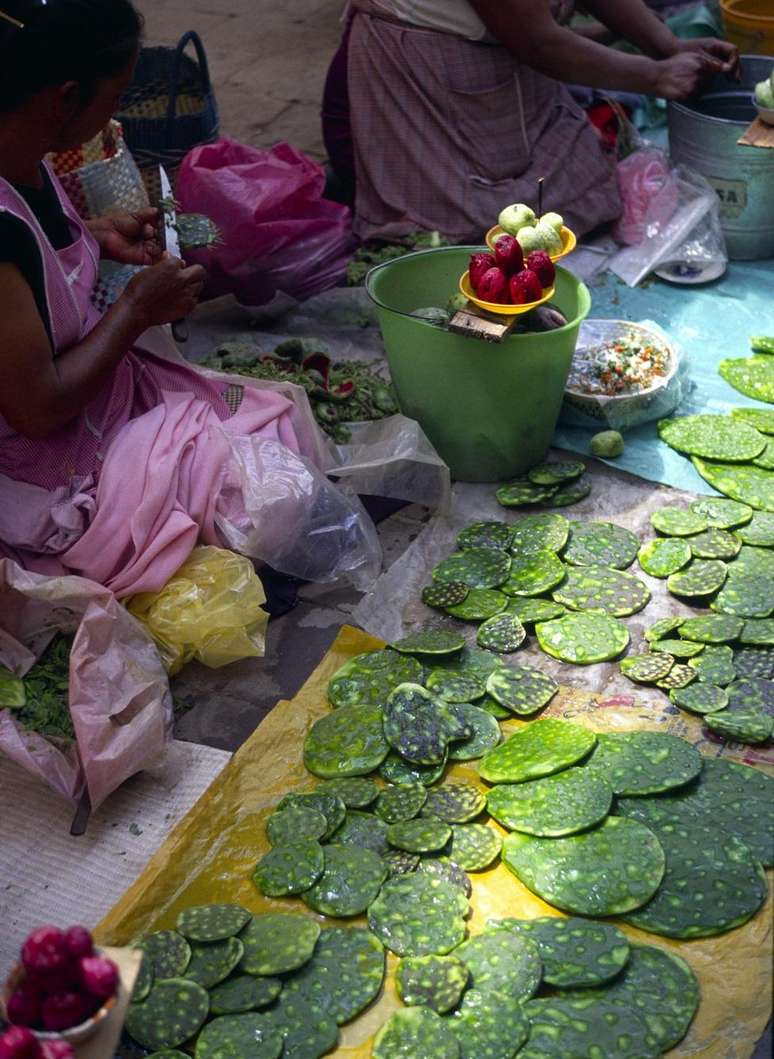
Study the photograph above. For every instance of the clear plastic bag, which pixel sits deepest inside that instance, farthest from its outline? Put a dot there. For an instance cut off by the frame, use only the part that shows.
(211, 610)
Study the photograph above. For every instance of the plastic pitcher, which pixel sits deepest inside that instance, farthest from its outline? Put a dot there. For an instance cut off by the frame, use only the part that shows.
(490, 410)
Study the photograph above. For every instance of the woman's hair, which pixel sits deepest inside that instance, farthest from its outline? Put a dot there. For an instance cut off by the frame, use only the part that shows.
(55, 41)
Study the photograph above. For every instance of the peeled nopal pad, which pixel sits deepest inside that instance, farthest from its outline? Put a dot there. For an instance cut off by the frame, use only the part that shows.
(751, 376)
(348, 742)
(746, 596)
(504, 633)
(398, 862)
(450, 685)
(533, 573)
(715, 543)
(754, 663)
(415, 1032)
(419, 726)
(568, 494)
(475, 567)
(212, 922)
(760, 418)
(759, 530)
(679, 676)
(173, 1012)
(750, 725)
(544, 747)
(418, 915)
(448, 870)
(423, 835)
(480, 604)
(662, 628)
(435, 982)
(395, 769)
(330, 805)
(647, 669)
(529, 610)
(401, 802)
(443, 594)
(363, 829)
(638, 763)
(712, 437)
(580, 1025)
(456, 803)
(345, 973)
(522, 491)
(240, 1037)
(758, 631)
(723, 514)
(700, 698)
(502, 962)
(677, 648)
(601, 588)
(557, 805)
(485, 535)
(583, 638)
(609, 870)
(521, 689)
(485, 734)
(289, 869)
(368, 679)
(556, 473)
(474, 846)
(213, 961)
(278, 942)
(167, 952)
(356, 793)
(431, 642)
(678, 521)
(538, 533)
(489, 1025)
(664, 556)
(286, 826)
(743, 482)
(575, 952)
(715, 665)
(601, 544)
(351, 879)
(244, 992)
(712, 628)
(308, 1029)
(702, 577)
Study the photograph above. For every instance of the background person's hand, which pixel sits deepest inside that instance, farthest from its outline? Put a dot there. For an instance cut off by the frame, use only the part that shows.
(683, 74)
(722, 50)
(166, 292)
(129, 238)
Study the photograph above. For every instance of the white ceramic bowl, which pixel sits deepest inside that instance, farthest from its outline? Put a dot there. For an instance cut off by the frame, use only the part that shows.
(76, 1034)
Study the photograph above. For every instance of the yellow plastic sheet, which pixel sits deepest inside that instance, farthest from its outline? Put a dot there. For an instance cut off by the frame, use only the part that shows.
(212, 852)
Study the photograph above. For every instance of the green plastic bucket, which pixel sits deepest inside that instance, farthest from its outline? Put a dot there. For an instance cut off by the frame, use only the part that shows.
(490, 410)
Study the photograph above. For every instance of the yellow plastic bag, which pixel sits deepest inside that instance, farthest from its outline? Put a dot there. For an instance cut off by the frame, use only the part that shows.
(210, 610)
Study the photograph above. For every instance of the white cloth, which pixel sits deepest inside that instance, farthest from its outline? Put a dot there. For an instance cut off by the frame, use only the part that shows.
(449, 16)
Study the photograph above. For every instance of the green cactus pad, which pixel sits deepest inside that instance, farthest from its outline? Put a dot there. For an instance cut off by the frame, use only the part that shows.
(212, 922)
(289, 869)
(722, 514)
(351, 879)
(758, 631)
(702, 577)
(348, 742)
(504, 633)
(368, 679)
(752, 693)
(521, 689)
(539, 533)
(754, 663)
(647, 669)
(475, 567)
(715, 665)
(435, 982)
(306, 1026)
(238, 1036)
(474, 846)
(529, 611)
(493, 707)
(569, 494)
(760, 418)
(330, 805)
(169, 1053)
(700, 698)
(416, 915)
(678, 522)
(664, 556)
(583, 638)
(398, 862)
(751, 376)
(758, 531)
(601, 544)
(401, 802)
(448, 870)
(212, 962)
(752, 562)
(712, 628)
(479, 604)
(523, 492)
(679, 676)
(344, 975)
(397, 770)
(677, 648)
(167, 953)
(746, 596)
(456, 803)
(485, 734)
(743, 482)
(145, 978)
(415, 1032)
(489, 1025)
(243, 993)
(749, 725)
(562, 804)
(766, 458)
(662, 628)
(575, 952)
(556, 473)
(174, 1011)
(713, 437)
(452, 686)
(278, 942)
(611, 869)
(443, 594)
(712, 883)
(580, 1025)
(420, 727)
(533, 573)
(715, 544)
(540, 749)
(430, 642)
(637, 763)
(364, 830)
(502, 962)
(485, 535)
(423, 835)
(294, 823)
(600, 588)
(355, 792)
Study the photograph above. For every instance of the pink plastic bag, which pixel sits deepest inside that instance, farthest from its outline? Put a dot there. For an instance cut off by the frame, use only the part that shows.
(278, 232)
(120, 701)
(649, 193)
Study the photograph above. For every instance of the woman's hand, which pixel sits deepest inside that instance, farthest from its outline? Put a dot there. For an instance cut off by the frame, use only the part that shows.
(166, 292)
(683, 74)
(722, 50)
(129, 238)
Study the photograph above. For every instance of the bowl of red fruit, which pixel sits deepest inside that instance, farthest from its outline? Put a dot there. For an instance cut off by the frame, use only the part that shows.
(503, 282)
(61, 990)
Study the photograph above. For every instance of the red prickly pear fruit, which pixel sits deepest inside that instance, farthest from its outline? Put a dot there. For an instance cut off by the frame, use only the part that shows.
(45, 951)
(525, 287)
(62, 1011)
(509, 255)
(543, 266)
(79, 942)
(479, 264)
(493, 286)
(58, 1050)
(19, 1043)
(99, 976)
(24, 1006)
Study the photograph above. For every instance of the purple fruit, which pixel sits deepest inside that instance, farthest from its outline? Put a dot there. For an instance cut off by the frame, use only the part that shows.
(493, 286)
(19, 1043)
(79, 943)
(525, 288)
(62, 1011)
(541, 264)
(24, 1006)
(509, 255)
(45, 951)
(99, 976)
(479, 264)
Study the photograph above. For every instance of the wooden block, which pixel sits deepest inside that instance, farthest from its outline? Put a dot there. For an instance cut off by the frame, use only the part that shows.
(477, 324)
(759, 134)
